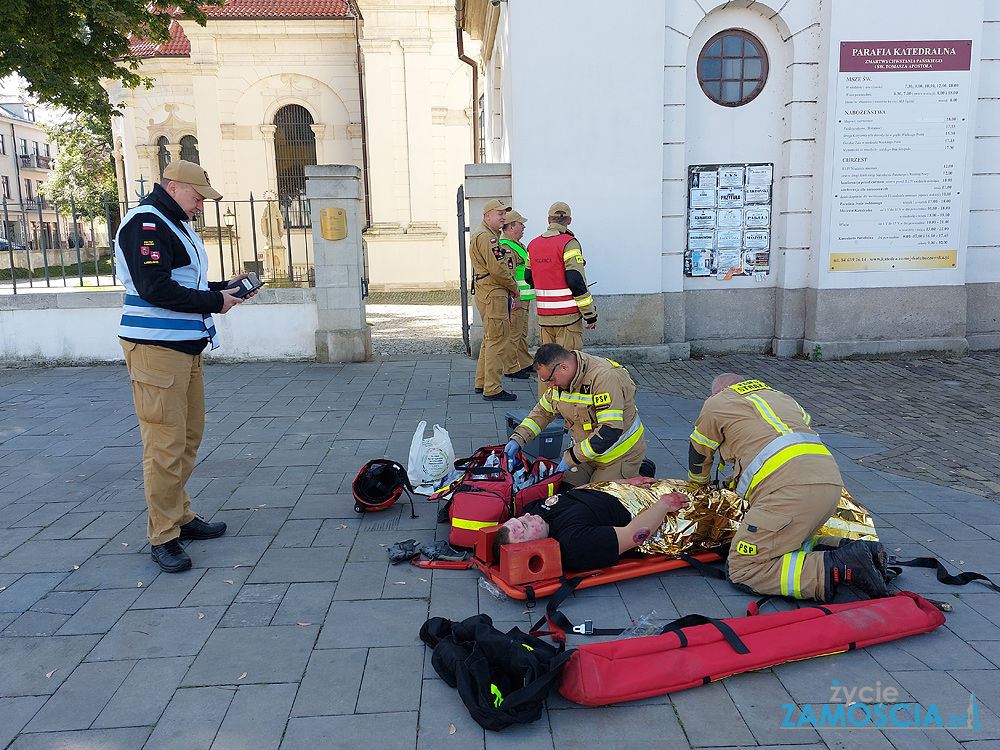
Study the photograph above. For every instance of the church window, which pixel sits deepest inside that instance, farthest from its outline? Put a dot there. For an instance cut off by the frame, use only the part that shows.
(732, 68)
(294, 149)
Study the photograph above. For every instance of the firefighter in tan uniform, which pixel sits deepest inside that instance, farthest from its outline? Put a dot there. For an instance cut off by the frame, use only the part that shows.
(555, 270)
(792, 485)
(496, 295)
(596, 398)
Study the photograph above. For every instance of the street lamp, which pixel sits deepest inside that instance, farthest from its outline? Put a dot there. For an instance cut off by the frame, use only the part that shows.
(230, 219)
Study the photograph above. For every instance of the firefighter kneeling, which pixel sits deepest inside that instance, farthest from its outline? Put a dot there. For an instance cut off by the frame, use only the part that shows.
(792, 485)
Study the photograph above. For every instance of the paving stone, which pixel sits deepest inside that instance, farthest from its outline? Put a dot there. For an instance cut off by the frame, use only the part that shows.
(264, 593)
(248, 615)
(38, 666)
(35, 624)
(266, 654)
(54, 556)
(218, 586)
(256, 718)
(637, 727)
(331, 683)
(148, 633)
(227, 551)
(351, 624)
(26, 590)
(441, 708)
(145, 692)
(81, 697)
(111, 572)
(296, 565)
(191, 719)
(305, 602)
(167, 590)
(62, 602)
(342, 732)
(392, 680)
(98, 739)
(762, 703)
(15, 713)
(297, 533)
(811, 681)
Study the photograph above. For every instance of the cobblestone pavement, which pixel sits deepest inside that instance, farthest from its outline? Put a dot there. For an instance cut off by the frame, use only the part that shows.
(936, 418)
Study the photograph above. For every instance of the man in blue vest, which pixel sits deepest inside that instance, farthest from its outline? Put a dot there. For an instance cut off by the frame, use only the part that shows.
(165, 325)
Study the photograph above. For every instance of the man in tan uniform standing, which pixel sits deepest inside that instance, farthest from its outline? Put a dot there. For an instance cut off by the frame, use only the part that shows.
(555, 270)
(792, 484)
(596, 397)
(517, 362)
(496, 295)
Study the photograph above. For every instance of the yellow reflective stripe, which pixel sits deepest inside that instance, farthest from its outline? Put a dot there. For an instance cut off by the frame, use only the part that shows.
(532, 426)
(584, 301)
(621, 449)
(610, 415)
(464, 523)
(574, 398)
(805, 416)
(587, 451)
(707, 442)
(765, 411)
(546, 404)
(572, 253)
(782, 457)
(698, 478)
(791, 573)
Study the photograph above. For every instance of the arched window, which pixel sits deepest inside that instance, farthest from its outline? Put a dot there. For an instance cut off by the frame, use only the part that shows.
(189, 149)
(732, 67)
(163, 155)
(294, 148)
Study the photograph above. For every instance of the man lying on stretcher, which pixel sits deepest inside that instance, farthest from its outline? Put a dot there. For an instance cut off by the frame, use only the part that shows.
(595, 524)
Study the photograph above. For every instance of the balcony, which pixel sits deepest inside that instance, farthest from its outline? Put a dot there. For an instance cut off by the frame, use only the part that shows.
(35, 161)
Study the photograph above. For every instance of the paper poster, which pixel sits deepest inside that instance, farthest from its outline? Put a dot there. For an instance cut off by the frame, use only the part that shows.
(701, 240)
(731, 177)
(701, 218)
(757, 194)
(730, 217)
(757, 217)
(701, 198)
(760, 174)
(701, 262)
(729, 238)
(730, 197)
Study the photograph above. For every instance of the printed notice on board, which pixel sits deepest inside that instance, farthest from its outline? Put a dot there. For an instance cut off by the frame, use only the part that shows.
(729, 221)
(901, 130)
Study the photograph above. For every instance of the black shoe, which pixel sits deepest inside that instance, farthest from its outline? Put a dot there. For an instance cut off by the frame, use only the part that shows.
(479, 390)
(852, 565)
(501, 396)
(647, 468)
(170, 556)
(880, 558)
(199, 529)
(519, 375)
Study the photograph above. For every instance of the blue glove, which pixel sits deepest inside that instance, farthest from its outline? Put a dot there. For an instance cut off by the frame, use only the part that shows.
(511, 450)
(563, 466)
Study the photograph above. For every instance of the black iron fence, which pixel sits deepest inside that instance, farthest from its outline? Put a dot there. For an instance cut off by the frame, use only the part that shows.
(46, 244)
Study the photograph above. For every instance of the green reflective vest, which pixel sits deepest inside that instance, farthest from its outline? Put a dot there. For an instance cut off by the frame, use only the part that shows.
(527, 293)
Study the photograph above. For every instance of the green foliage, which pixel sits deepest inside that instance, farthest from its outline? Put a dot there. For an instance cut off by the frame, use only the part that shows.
(58, 272)
(63, 48)
(817, 354)
(84, 165)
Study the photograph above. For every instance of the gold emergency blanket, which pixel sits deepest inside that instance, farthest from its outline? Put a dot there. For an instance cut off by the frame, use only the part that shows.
(714, 515)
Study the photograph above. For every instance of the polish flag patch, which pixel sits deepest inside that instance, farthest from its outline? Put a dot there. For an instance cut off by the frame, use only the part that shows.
(148, 225)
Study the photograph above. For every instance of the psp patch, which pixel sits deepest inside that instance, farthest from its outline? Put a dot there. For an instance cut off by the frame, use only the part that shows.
(602, 399)
(745, 548)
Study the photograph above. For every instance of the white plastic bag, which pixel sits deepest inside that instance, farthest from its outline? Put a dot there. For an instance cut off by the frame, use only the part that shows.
(430, 458)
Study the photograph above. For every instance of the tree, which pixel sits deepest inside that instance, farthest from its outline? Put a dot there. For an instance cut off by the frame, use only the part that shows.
(84, 165)
(63, 48)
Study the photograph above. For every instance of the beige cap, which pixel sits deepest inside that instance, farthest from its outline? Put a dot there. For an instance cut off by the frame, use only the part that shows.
(494, 204)
(513, 216)
(559, 209)
(191, 174)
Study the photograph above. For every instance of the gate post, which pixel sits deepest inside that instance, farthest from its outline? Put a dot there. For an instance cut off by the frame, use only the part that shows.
(335, 199)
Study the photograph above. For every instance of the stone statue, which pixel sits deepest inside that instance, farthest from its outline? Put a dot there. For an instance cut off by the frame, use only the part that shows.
(272, 224)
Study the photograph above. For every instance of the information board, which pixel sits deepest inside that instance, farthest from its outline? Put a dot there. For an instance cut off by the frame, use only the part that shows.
(900, 138)
(729, 220)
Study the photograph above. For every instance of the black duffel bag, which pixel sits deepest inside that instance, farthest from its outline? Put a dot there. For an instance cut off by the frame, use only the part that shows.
(503, 678)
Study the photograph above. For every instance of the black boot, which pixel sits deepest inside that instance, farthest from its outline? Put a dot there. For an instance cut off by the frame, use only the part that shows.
(170, 556)
(852, 565)
(880, 558)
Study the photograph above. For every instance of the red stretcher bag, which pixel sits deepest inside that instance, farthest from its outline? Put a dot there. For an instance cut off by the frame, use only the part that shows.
(697, 650)
(485, 496)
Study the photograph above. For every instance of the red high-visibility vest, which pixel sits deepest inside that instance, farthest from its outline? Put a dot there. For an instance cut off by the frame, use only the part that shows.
(548, 274)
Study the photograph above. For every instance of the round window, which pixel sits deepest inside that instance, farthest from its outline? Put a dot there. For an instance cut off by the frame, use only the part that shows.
(732, 68)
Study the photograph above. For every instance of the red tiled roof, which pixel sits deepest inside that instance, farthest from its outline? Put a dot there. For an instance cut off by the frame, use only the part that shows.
(180, 46)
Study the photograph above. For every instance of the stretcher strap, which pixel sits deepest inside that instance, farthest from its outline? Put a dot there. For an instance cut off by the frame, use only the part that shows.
(942, 573)
(703, 568)
(558, 622)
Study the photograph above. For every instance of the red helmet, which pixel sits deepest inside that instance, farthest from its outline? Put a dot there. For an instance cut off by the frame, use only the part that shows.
(379, 484)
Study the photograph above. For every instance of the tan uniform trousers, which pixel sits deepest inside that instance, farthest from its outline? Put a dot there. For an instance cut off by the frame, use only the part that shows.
(518, 357)
(766, 554)
(625, 467)
(168, 388)
(496, 330)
